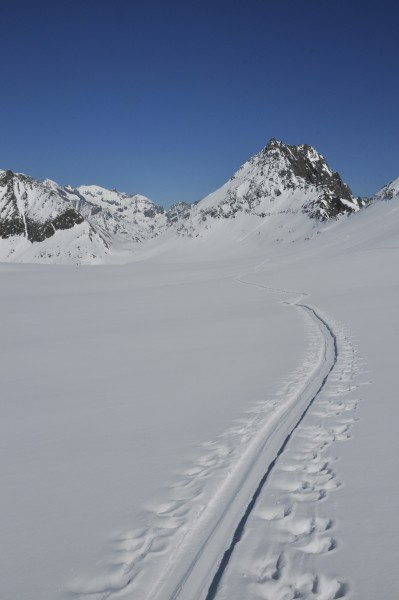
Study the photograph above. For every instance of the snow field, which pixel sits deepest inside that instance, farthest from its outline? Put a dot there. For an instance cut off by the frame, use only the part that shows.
(142, 404)
(113, 379)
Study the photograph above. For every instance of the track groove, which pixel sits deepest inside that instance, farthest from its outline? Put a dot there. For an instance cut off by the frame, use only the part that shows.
(213, 588)
(205, 586)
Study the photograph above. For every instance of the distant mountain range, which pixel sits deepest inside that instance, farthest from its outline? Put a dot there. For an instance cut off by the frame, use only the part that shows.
(284, 192)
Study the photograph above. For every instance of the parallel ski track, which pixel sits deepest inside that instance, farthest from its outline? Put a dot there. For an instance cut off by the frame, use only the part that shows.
(237, 535)
(200, 579)
(213, 588)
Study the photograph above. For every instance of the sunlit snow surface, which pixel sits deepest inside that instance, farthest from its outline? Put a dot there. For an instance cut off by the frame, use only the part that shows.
(133, 397)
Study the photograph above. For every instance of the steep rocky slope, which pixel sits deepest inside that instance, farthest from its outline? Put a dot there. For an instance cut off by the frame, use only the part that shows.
(34, 217)
(281, 179)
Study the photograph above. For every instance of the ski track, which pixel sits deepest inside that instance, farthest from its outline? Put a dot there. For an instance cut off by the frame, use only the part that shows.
(167, 559)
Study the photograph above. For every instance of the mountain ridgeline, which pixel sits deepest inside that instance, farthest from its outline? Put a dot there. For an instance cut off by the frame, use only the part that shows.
(277, 189)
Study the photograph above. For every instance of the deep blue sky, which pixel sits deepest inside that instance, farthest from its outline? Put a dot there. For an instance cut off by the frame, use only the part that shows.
(168, 98)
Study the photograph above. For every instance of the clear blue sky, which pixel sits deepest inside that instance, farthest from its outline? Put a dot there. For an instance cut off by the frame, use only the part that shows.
(169, 98)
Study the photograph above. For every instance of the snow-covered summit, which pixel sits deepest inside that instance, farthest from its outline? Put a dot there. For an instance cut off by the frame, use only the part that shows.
(283, 193)
(278, 179)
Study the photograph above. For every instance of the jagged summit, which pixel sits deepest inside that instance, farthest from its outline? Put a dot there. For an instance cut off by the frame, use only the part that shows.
(307, 164)
(280, 179)
(303, 162)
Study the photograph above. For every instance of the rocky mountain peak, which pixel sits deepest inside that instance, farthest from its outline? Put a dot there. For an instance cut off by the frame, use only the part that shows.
(282, 178)
(305, 163)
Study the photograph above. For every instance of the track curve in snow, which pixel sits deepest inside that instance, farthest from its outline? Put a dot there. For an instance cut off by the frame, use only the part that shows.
(213, 588)
(198, 575)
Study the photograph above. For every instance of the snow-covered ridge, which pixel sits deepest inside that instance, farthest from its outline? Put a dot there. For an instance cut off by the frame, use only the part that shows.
(282, 193)
(33, 214)
(389, 191)
(135, 217)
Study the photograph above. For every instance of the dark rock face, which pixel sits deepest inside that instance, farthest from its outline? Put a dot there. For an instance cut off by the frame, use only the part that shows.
(179, 211)
(11, 226)
(38, 232)
(305, 163)
(153, 211)
(331, 203)
(12, 222)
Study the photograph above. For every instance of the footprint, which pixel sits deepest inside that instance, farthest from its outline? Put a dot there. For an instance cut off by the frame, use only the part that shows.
(291, 467)
(348, 420)
(321, 524)
(340, 429)
(273, 569)
(319, 545)
(274, 513)
(295, 486)
(329, 589)
(315, 467)
(307, 525)
(303, 456)
(197, 472)
(314, 496)
(299, 527)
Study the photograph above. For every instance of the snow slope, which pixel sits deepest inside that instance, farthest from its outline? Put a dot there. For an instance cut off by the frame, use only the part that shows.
(322, 527)
(213, 418)
(156, 411)
(106, 416)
